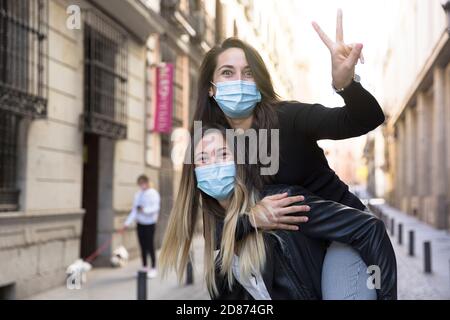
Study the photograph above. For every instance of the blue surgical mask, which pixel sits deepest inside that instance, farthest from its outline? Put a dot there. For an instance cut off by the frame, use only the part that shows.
(216, 180)
(237, 99)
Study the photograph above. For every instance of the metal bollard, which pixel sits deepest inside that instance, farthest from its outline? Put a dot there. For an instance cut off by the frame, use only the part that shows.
(189, 273)
(400, 233)
(142, 285)
(411, 243)
(392, 227)
(427, 256)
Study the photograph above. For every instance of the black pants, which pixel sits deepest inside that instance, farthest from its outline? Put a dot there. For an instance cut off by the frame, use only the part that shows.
(145, 236)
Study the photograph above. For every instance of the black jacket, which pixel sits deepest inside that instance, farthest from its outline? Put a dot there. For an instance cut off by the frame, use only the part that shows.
(294, 265)
(302, 161)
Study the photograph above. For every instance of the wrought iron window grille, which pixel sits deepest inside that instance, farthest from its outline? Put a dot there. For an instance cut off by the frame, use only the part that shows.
(23, 57)
(9, 193)
(106, 73)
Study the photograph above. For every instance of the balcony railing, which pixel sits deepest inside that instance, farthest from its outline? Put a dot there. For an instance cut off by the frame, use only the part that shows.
(181, 16)
(191, 19)
(205, 28)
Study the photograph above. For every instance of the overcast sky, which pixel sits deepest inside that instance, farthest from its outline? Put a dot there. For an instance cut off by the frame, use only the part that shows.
(365, 21)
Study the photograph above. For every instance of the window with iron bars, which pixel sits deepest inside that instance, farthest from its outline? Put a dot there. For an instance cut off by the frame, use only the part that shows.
(23, 83)
(106, 70)
(9, 193)
(23, 62)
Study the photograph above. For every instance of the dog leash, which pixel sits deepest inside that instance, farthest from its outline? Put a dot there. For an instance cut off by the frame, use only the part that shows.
(102, 248)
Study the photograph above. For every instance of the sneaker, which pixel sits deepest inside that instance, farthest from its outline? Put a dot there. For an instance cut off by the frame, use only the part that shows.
(152, 273)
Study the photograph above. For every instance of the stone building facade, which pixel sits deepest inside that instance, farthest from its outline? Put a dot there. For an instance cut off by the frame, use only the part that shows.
(77, 112)
(414, 170)
(77, 104)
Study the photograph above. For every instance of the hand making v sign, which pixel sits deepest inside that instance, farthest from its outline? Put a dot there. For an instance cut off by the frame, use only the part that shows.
(344, 57)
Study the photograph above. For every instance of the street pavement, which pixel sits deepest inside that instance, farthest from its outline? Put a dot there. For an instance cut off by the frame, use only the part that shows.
(121, 284)
(413, 282)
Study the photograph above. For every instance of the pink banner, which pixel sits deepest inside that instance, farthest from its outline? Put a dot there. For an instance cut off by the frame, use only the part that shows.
(164, 98)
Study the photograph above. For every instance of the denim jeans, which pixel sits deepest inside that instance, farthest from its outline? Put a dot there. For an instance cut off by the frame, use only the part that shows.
(344, 275)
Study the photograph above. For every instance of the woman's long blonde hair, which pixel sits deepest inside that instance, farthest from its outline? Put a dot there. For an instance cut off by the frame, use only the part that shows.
(184, 216)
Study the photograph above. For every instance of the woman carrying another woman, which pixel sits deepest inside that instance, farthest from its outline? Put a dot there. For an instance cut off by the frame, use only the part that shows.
(267, 264)
(235, 91)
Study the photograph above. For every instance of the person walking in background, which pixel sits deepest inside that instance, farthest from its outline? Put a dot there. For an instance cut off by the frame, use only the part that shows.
(145, 212)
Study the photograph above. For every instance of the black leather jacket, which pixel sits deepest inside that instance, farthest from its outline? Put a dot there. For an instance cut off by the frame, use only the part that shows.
(294, 258)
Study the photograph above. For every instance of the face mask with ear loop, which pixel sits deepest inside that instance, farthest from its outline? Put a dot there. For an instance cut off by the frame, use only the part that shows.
(217, 179)
(237, 99)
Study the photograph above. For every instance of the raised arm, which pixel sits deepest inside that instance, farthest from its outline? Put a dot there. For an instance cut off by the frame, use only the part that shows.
(360, 115)
(361, 112)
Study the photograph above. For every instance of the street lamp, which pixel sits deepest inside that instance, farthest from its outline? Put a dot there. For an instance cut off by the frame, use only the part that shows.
(446, 5)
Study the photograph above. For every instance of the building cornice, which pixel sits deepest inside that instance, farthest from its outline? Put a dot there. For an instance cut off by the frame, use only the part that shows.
(134, 16)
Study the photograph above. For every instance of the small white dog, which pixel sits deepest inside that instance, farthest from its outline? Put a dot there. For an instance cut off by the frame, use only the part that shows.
(119, 257)
(76, 273)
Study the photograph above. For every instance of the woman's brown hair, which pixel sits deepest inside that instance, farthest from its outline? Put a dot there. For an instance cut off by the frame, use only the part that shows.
(264, 115)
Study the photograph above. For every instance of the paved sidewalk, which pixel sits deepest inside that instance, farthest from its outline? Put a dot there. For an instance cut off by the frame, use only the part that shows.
(121, 284)
(413, 283)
